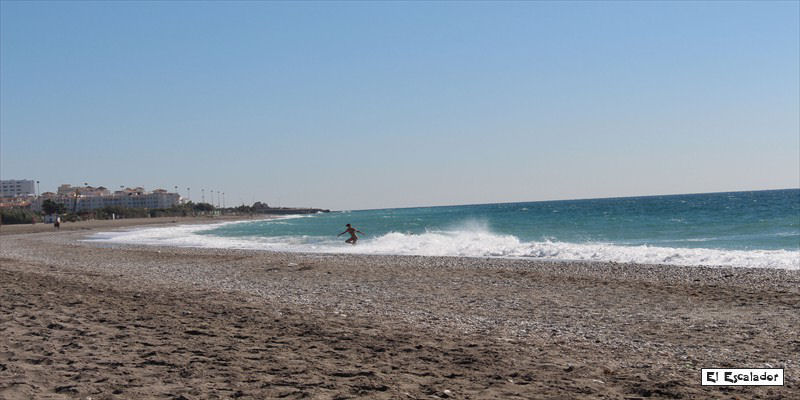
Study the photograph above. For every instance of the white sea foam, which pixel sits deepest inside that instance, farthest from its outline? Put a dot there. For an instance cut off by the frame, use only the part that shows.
(469, 241)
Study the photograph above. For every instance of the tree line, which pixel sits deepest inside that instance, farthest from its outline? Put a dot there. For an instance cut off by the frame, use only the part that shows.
(50, 207)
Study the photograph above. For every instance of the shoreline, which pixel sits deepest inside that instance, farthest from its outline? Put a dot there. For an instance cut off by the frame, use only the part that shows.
(788, 259)
(331, 325)
(97, 224)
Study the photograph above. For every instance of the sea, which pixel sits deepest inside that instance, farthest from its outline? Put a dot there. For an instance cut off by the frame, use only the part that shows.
(757, 229)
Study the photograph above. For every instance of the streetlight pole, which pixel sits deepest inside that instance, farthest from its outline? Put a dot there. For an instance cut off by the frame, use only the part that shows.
(37, 188)
(202, 195)
(189, 193)
(223, 199)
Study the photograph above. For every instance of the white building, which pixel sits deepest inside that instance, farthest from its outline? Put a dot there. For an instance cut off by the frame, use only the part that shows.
(17, 188)
(88, 198)
(69, 190)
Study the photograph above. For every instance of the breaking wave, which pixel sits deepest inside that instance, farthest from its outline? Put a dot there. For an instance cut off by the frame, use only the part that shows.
(474, 241)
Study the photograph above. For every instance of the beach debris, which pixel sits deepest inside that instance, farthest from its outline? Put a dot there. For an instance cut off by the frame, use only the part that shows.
(195, 332)
(66, 389)
(569, 368)
(55, 325)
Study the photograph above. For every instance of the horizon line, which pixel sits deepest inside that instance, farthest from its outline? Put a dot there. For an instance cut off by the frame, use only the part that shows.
(572, 199)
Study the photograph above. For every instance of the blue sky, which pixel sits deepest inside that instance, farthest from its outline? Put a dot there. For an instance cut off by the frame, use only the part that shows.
(389, 104)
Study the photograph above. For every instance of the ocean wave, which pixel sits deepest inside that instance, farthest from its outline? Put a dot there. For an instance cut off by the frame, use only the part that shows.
(465, 243)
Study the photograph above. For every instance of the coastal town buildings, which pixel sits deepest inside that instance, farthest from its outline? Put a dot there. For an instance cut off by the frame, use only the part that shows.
(88, 198)
(69, 190)
(17, 188)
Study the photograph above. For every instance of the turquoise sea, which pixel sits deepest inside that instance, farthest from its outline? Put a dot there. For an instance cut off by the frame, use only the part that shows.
(747, 229)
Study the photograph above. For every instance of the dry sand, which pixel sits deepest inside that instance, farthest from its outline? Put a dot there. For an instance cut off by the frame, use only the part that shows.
(79, 320)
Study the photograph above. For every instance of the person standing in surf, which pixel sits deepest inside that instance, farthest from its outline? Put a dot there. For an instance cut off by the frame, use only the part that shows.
(352, 231)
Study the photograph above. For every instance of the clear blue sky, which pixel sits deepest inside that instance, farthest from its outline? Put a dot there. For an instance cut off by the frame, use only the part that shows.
(387, 104)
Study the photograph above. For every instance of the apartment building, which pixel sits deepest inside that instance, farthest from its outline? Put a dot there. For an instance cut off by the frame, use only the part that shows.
(17, 188)
(69, 190)
(87, 198)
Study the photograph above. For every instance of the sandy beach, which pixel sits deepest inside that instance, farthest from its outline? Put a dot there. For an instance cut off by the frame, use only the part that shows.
(79, 320)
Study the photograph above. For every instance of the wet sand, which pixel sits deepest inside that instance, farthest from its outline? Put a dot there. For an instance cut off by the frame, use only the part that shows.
(79, 320)
(100, 224)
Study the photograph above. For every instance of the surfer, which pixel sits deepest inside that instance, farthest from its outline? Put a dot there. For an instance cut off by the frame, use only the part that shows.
(352, 231)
